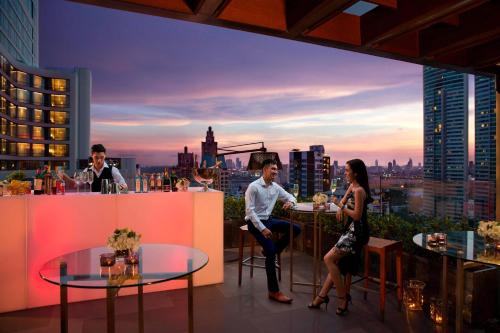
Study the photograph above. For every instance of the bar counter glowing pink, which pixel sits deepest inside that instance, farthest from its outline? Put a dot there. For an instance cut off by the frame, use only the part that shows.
(35, 229)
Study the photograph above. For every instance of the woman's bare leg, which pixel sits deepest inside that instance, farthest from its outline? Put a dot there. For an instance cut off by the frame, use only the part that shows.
(331, 260)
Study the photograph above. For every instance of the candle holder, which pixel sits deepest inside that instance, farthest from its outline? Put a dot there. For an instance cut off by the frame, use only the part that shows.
(132, 258)
(413, 296)
(436, 310)
(107, 259)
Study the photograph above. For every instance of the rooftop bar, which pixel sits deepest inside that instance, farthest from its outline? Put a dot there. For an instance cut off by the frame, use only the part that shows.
(35, 229)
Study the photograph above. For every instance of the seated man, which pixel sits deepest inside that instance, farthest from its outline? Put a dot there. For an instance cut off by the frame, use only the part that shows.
(260, 199)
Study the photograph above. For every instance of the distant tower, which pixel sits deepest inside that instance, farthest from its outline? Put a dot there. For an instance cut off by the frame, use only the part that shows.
(209, 149)
(185, 163)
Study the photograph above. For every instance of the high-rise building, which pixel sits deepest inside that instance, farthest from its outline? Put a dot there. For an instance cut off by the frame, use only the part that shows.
(185, 163)
(284, 174)
(230, 164)
(307, 169)
(19, 30)
(209, 149)
(485, 148)
(238, 163)
(44, 116)
(445, 142)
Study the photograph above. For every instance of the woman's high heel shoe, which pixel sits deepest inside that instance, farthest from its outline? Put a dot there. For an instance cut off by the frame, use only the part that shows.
(341, 311)
(324, 299)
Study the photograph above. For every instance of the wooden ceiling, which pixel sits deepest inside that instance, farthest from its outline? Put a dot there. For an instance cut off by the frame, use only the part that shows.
(456, 34)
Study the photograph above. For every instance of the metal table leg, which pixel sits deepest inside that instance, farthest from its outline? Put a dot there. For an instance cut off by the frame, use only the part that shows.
(140, 300)
(190, 303)
(291, 252)
(63, 291)
(459, 292)
(110, 309)
(445, 294)
(315, 253)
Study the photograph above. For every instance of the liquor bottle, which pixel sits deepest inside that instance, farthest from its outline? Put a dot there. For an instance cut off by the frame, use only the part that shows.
(167, 185)
(53, 184)
(152, 183)
(173, 181)
(138, 182)
(47, 181)
(38, 183)
(159, 182)
(144, 183)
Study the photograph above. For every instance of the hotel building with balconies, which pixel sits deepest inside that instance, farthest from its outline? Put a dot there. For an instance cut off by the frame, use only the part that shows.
(44, 115)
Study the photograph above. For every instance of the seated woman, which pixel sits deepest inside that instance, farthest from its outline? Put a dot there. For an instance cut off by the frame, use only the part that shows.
(344, 257)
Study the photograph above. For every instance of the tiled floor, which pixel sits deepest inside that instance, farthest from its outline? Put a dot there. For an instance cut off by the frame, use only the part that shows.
(226, 308)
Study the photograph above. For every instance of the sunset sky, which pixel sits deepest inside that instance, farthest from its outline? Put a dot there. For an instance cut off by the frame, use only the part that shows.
(159, 83)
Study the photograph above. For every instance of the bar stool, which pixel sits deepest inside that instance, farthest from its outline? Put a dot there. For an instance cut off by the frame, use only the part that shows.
(249, 261)
(383, 247)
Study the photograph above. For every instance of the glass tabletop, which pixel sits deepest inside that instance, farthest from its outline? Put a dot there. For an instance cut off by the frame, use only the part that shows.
(308, 207)
(466, 245)
(157, 263)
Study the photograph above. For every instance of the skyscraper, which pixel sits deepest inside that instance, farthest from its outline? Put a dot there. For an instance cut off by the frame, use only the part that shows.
(485, 148)
(307, 169)
(185, 163)
(445, 142)
(44, 114)
(209, 149)
(19, 30)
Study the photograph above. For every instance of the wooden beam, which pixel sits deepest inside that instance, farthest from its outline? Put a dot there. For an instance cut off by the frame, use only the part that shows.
(305, 15)
(478, 26)
(385, 3)
(487, 55)
(207, 7)
(383, 24)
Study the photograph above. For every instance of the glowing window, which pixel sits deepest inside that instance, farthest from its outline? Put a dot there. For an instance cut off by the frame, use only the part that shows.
(59, 84)
(58, 100)
(23, 132)
(38, 133)
(37, 81)
(23, 149)
(37, 98)
(58, 134)
(38, 150)
(37, 116)
(58, 150)
(58, 118)
(22, 113)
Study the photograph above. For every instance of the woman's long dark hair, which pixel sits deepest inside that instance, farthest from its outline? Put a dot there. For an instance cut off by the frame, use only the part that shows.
(359, 172)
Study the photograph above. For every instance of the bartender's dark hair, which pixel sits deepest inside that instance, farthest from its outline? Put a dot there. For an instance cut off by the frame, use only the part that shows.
(268, 162)
(97, 148)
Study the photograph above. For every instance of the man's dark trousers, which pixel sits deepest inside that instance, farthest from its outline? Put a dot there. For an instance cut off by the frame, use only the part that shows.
(271, 248)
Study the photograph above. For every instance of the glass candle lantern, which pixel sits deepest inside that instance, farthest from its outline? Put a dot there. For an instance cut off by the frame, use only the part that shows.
(413, 296)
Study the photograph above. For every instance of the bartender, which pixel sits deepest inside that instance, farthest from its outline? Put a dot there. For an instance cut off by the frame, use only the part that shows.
(101, 170)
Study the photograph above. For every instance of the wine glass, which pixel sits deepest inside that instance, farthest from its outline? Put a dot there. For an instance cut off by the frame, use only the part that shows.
(84, 176)
(295, 190)
(77, 179)
(333, 186)
(90, 176)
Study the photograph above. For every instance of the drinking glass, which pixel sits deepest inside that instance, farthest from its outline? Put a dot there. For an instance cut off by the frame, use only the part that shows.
(84, 176)
(77, 179)
(295, 190)
(90, 178)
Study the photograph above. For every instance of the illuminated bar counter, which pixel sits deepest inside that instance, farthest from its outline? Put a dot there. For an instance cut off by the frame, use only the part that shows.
(34, 229)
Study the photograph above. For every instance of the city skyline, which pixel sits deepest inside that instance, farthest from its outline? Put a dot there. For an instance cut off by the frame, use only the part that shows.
(158, 84)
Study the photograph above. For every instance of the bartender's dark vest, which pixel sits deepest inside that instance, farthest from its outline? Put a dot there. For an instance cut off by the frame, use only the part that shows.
(105, 174)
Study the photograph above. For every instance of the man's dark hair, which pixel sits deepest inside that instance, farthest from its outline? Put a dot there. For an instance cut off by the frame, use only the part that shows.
(98, 148)
(268, 162)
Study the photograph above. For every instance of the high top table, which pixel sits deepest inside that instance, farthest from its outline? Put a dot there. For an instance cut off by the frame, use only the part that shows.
(157, 263)
(308, 208)
(461, 245)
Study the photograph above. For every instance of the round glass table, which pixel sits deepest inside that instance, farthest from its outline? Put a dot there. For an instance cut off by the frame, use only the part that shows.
(461, 245)
(308, 208)
(157, 263)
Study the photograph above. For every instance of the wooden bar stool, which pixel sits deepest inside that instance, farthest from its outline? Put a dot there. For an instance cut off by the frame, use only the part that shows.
(383, 247)
(249, 261)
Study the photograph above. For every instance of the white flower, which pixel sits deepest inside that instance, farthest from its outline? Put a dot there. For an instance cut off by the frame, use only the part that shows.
(320, 198)
(124, 239)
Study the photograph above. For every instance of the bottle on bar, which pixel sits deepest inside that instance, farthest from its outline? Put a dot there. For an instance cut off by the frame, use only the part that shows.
(152, 183)
(173, 181)
(138, 182)
(167, 185)
(38, 183)
(47, 181)
(53, 184)
(159, 182)
(144, 188)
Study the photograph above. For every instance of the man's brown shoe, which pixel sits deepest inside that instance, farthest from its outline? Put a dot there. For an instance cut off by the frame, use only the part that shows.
(280, 297)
